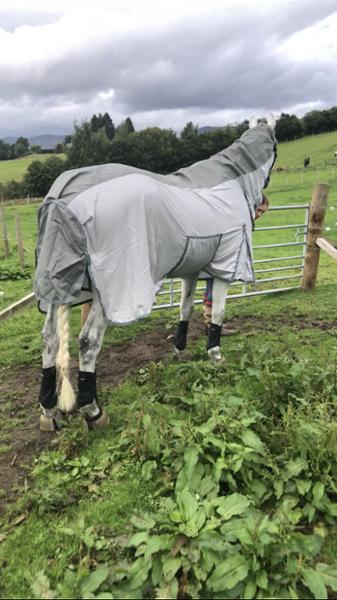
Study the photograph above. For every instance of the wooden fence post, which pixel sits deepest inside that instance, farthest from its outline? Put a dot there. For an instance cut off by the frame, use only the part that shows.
(4, 232)
(318, 207)
(19, 241)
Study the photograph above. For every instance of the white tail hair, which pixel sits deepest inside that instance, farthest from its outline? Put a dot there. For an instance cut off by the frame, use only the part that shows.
(66, 398)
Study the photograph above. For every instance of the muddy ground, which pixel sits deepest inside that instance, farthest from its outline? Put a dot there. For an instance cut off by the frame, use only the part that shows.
(22, 440)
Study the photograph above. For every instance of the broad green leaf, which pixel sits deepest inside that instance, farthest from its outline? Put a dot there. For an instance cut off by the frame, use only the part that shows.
(170, 567)
(41, 587)
(175, 516)
(258, 487)
(167, 591)
(303, 486)
(236, 529)
(153, 441)
(314, 581)
(207, 427)
(93, 581)
(146, 422)
(148, 468)
(318, 492)
(143, 521)
(328, 574)
(262, 580)
(252, 440)
(156, 543)
(187, 504)
(250, 590)
(292, 593)
(295, 467)
(138, 538)
(278, 487)
(229, 573)
(330, 507)
(191, 459)
(234, 504)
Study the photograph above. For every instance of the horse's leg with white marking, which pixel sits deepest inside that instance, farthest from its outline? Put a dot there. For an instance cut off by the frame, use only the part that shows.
(49, 419)
(220, 290)
(188, 285)
(90, 342)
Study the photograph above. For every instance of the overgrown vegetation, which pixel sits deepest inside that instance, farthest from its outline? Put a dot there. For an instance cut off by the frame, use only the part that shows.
(234, 471)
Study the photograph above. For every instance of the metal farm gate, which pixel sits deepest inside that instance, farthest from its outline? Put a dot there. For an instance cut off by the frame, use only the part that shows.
(275, 261)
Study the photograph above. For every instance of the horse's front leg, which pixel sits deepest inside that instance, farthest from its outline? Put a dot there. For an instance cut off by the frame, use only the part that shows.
(188, 285)
(90, 343)
(50, 417)
(220, 290)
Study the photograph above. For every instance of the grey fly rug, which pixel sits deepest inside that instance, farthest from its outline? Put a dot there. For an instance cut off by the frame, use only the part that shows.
(126, 229)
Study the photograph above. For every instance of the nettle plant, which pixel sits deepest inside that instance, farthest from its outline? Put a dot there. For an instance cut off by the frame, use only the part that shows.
(246, 483)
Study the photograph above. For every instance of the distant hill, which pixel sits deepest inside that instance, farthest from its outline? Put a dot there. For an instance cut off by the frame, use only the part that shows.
(47, 142)
(207, 128)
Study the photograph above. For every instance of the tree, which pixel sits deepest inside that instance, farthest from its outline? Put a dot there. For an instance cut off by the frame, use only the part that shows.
(35, 148)
(124, 129)
(21, 147)
(5, 150)
(153, 149)
(88, 147)
(189, 132)
(288, 127)
(59, 148)
(100, 121)
(40, 175)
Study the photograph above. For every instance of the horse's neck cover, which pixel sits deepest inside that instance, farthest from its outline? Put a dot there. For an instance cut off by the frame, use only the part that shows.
(128, 228)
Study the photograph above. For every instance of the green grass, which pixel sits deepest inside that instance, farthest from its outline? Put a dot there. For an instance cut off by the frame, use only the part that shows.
(321, 149)
(16, 168)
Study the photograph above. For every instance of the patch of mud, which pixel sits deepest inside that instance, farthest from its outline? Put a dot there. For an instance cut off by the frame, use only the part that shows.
(21, 440)
(19, 412)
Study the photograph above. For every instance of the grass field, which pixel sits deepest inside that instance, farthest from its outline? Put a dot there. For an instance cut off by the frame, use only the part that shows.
(136, 510)
(15, 169)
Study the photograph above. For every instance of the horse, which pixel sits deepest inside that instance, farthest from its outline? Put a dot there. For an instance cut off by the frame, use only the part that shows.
(306, 162)
(112, 233)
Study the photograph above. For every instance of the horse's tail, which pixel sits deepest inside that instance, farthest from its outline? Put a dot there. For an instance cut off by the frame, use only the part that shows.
(66, 397)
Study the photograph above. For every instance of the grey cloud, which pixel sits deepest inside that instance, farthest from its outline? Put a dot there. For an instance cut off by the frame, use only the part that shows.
(10, 20)
(227, 63)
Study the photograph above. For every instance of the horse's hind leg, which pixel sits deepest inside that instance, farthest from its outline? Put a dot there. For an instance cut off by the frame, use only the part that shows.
(90, 342)
(188, 285)
(220, 290)
(50, 417)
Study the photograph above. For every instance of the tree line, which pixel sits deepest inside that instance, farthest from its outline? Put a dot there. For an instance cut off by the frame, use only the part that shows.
(21, 147)
(99, 141)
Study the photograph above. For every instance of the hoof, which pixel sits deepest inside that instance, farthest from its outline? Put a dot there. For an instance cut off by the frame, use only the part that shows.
(49, 423)
(100, 421)
(178, 354)
(226, 331)
(215, 355)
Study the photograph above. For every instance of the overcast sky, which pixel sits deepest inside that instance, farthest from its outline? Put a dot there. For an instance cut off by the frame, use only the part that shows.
(161, 62)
